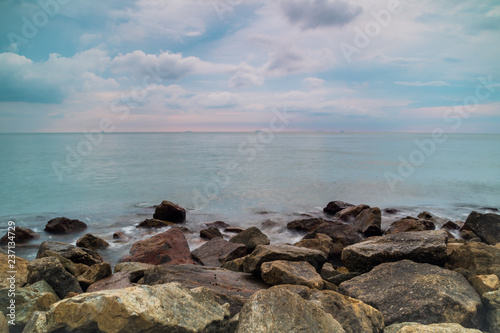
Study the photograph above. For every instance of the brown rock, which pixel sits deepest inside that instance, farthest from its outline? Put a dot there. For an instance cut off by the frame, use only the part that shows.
(321, 242)
(334, 207)
(218, 224)
(369, 222)
(474, 258)
(251, 238)
(486, 226)
(67, 264)
(348, 214)
(92, 242)
(73, 253)
(136, 269)
(154, 223)
(21, 235)
(234, 230)
(116, 281)
(63, 225)
(410, 224)
(485, 283)
(168, 211)
(210, 233)
(217, 251)
(291, 272)
(93, 274)
(391, 211)
(306, 225)
(450, 225)
(51, 270)
(119, 235)
(21, 266)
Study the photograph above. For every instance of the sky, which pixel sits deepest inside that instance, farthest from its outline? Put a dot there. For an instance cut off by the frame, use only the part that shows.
(230, 65)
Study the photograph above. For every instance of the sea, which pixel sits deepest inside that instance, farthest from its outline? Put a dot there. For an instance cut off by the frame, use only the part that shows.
(111, 181)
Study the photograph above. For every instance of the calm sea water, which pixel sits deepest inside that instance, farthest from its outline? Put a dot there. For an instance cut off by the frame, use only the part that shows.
(111, 181)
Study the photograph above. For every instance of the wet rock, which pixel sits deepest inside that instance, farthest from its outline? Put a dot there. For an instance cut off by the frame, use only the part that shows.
(51, 270)
(334, 207)
(414, 292)
(119, 235)
(391, 211)
(291, 272)
(210, 233)
(94, 274)
(492, 300)
(434, 328)
(486, 226)
(168, 211)
(290, 313)
(92, 242)
(119, 280)
(433, 218)
(410, 224)
(452, 226)
(485, 283)
(169, 247)
(21, 235)
(424, 246)
(349, 214)
(154, 223)
(22, 272)
(320, 242)
(73, 253)
(251, 238)
(217, 251)
(369, 221)
(473, 258)
(234, 230)
(136, 269)
(163, 308)
(63, 225)
(218, 225)
(306, 225)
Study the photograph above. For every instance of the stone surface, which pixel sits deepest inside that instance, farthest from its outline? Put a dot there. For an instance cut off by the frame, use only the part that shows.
(328, 271)
(4, 326)
(485, 283)
(320, 242)
(21, 235)
(424, 246)
(341, 234)
(136, 269)
(474, 258)
(154, 223)
(434, 328)
(92, 242)
(349, 214)
(291, 272)
(492, 300)
(163, 308)
(119, 235)
(217, 251)
(251, 238)
(334, 207)
(67, 264)
(119, 280)
(73, 253)
(218, 225)
(52, 271)
(450, 225)
(94, 274)
(63, 225)
(408, 291)
(210, 233)
(486, 226)
(169, 247)
(306, 225)
(438, 221)
(280, 310)
(369, 222)
(168, 211)
(410, 224)
(21, 269)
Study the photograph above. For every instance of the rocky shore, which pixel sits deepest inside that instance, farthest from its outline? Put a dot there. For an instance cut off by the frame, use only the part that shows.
(347, 274)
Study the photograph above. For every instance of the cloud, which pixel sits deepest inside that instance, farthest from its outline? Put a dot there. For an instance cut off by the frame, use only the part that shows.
(424, 84)
(311, 14)
(246, 76)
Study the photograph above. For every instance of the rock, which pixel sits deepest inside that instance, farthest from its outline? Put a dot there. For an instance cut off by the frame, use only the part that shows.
(410, 224)
(21, 235)
(73, 253)
(452, 226)
(433, 218)
(235, 265)
(168, 211)
(348, 214)
(51, 270)
(492, 300)
(119, 235)
(169, 247)
(251, 237)
(486, 226)
(163, 308)
(95, 273)
(63, 225)
(36, 297)
(408, 291)
(218, 225)
(4, 326)
(21, 271)
(341, 234)
(424, 246)
(68, 265)
(306, 225)
(391, 211)
(338, 279)
(210, 233)
(265, 253)
(154, 223)
(234, 230)
(321, 242)
(92, 242)
(434, 328)
(217, 251)
(369, 222)
(328, 271)
(136, 269)
(334, 207)
(485, 283)
(228, 286)
(116, 281)
(473, 258)
(290, 313)
(291, 272)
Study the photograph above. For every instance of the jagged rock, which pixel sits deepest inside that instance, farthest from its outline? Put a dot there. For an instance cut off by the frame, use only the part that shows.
(63, 225)
(136, 269)
(94, 274)
(474, 258)
(119, 280)
(424, 246)
(320, 242)
(67, 264)
(235, 265)
(210, 233)
(21, 269)
(168, 211)
(334, 207)
(306, 225)
(408, 291)
(369, 222)
(280, 310)
(434, 328)
(485, 283)
(291, 272)
(154, 223)
(52, 271)
(410, 224)
(217, 251)
(492, 300)
(328, 271)
(486, 226)
(341, 234)
(21, 235)
(92, 242)
(73, 253)
(348, 214)
(163, 308)
(251, 238)
(169, 247)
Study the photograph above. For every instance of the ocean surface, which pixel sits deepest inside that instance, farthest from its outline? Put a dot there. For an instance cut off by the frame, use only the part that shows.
(111, 181)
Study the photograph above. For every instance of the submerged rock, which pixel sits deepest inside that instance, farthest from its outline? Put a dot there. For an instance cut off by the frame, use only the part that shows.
(334, 207)
(63, 225)
(21, 235)
(251, 238)
(486, 226)
(73, 253)
(168, 211)
(92, 242)
(291, 272)
(217, 251)
(51, 270)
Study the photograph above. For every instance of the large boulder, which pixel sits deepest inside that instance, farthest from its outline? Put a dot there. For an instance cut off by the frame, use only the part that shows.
(280, 310)
(51, 270)
(73, 253)
(163, 308)
(119, 280)
(63, 225)
(474, 258)
(20, 267)
(486, 226)
(217, 251)
(406, 291)
(408, 224)
(136, 269)
(492, 300)
(434, 328)
(425, 246)
(349, 214)
(94, 274)
(154, 223)
(168, 211)
(369, 221)
(306, 225)
(92, 242)
(291, 272)
(251, 238)
(333, 207)
(169, 247)
(21, 235)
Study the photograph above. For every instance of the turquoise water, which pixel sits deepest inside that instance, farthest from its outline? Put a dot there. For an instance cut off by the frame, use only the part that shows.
(110, 181)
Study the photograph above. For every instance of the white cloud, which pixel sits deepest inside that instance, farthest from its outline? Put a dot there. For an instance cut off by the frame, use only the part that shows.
(424, 84)
(246, 76)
